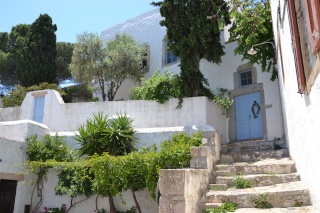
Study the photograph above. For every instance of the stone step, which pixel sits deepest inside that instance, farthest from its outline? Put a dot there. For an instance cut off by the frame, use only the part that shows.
(303, 209)
(226, 160)
(279, 195)
(212, 205)
(267, 166)
(254, 145)
(218, 187)
(260, 179)
(252, 156)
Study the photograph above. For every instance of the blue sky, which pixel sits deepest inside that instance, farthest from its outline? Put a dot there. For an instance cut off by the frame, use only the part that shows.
(72, 17)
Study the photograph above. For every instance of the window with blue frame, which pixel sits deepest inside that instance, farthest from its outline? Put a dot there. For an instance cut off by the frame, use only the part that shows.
(169, 57)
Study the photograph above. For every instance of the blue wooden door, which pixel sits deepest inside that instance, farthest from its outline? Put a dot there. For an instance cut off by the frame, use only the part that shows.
(248, 116)
(38, 109)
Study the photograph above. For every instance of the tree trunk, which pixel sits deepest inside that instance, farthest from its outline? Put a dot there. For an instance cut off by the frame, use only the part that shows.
(111, 204)
(191, 76)
(103, 94)
(136, 201)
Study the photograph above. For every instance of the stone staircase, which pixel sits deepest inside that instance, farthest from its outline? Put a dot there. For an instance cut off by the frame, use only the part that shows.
(269, 171)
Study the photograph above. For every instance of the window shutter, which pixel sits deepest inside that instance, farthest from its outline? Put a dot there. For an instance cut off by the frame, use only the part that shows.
(313, 21)
(296, 47)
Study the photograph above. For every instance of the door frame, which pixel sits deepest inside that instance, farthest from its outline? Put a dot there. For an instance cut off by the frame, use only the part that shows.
(231, 112)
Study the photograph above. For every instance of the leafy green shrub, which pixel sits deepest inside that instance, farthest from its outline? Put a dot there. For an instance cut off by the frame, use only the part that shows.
(262, 201)
(159, 88)
(74, 182)
(224, 102)
(16, 97)
(175, 153)
(78, 93)
(225, 207)
(51, 148)
(241, 183)
(222, 98)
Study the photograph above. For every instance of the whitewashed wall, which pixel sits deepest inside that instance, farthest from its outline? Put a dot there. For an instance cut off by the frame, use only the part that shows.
(301, 112)
(13, 154)
(50, 200)
(61, 117)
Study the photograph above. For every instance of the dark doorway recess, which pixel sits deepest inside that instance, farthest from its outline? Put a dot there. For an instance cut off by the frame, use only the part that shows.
(7, 195)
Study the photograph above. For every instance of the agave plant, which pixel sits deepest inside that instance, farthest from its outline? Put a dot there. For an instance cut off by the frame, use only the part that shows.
(119, 135)
(91, 137)
(102, 134)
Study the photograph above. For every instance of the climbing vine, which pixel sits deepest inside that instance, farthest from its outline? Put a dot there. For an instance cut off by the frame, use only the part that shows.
(49, 148)
(107, 175)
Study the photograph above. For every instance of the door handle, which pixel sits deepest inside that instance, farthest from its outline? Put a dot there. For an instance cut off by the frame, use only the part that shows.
(249, 117)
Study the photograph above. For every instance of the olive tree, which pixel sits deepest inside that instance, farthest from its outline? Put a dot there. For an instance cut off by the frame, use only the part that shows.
(107, 63)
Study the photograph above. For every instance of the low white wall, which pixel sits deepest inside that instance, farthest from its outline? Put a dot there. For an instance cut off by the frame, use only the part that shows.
(62, 117)
(146, 136)
(9, 114)
(22, 129)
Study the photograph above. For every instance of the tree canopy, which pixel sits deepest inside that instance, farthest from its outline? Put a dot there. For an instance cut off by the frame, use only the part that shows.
(37, 58)
(107, 64)
(124, 61)
(28, 54)
(192, 36)
(63, 59)
(252, 24)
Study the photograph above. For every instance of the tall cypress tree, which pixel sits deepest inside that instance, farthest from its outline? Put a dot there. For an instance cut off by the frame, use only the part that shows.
(38, 57)
(192, 36)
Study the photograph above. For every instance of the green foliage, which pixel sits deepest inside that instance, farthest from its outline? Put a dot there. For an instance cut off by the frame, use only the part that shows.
(225, 207)
(224, 102)
(222, 98)
(16, 96)
(253, 25)
(262, 201)
(163, 87)
(108, 64)
(63, 59)
(137, 171)
(241, 183)
(10, 60)
(13, 49)
(108, 175)
(192, 36)
(175, 152)
(120, 135)
(160, 87)
(124, 61)
(51, 148)
(87, 60)
(79, 92)
(91, 137)
(37, 58)
(74, 182)
(102, 134)
(132, 210)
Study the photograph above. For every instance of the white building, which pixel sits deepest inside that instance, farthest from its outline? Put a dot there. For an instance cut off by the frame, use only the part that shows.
(296, 26)
(246, 83)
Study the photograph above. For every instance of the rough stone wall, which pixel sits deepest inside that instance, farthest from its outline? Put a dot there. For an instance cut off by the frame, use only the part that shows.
(181, 189)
